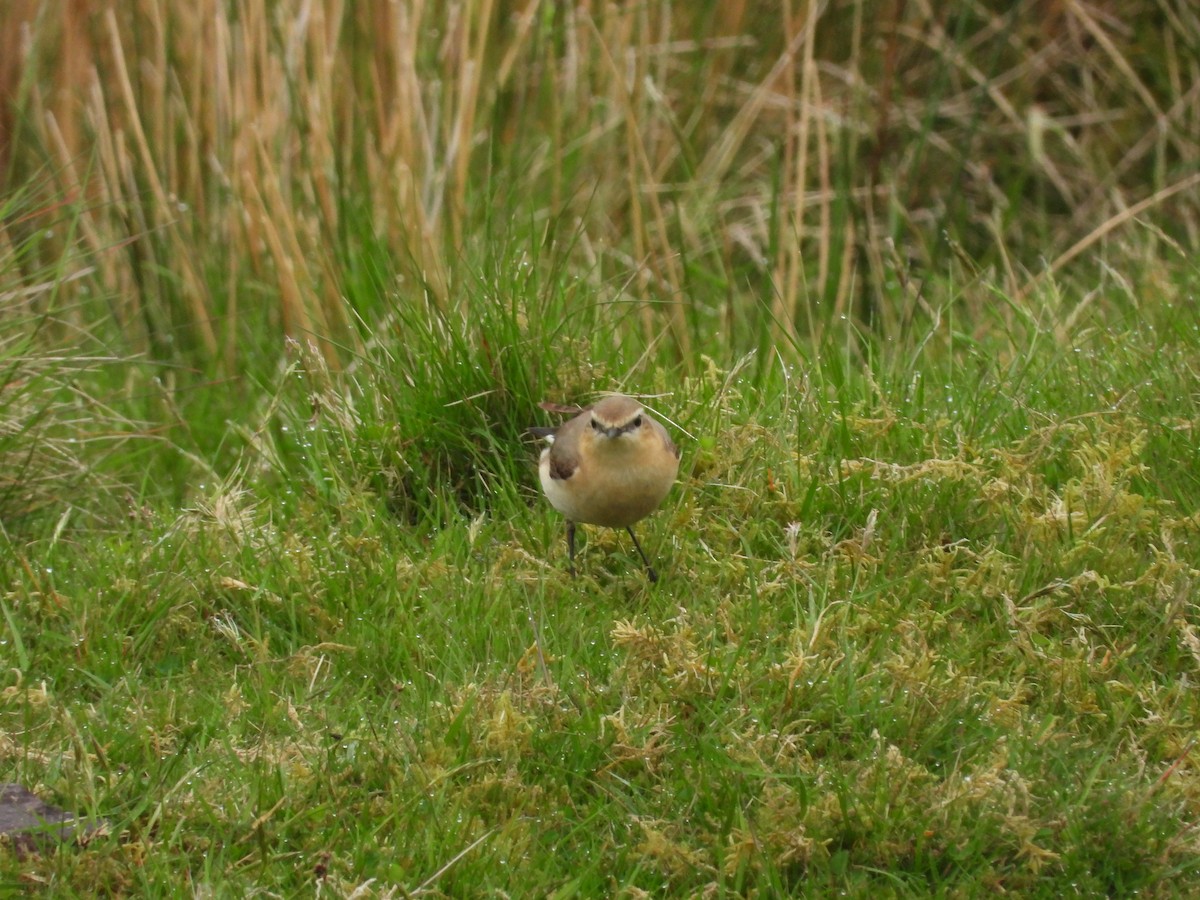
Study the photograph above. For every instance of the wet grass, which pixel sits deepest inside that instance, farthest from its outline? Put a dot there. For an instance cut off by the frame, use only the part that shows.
(926, 625)
(281, 607)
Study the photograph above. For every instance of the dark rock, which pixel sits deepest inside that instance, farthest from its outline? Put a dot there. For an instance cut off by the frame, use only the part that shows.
(28, 824)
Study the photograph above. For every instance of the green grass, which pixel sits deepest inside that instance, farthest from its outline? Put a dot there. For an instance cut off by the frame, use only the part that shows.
(281, 287)
(926, 625)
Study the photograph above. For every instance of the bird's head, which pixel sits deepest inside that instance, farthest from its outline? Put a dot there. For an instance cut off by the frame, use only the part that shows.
(617, 417)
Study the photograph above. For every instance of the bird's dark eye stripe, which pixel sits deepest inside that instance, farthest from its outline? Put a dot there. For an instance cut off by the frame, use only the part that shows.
(631, 425)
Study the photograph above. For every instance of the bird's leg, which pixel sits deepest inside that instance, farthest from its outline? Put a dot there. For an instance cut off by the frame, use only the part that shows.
(649, 568)
(571, 547)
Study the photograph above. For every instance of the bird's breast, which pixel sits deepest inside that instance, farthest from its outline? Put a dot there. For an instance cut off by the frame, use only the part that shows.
(614, 491)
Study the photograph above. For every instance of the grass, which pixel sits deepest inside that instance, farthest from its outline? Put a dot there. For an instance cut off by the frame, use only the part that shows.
(280, 603)
(914, 634)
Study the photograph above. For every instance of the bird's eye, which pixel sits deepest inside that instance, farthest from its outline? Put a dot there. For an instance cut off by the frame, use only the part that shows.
(637, 423)
(597, 425)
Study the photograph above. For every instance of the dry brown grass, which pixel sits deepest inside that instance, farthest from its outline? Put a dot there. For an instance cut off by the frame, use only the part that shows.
(700, 156)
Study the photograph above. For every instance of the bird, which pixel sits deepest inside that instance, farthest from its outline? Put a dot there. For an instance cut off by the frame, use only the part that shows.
(610, 465)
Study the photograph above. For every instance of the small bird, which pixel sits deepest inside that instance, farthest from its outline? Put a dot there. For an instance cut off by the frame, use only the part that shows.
(610, 465)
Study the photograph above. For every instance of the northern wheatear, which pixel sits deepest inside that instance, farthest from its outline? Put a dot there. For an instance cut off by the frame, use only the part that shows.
(611, 465)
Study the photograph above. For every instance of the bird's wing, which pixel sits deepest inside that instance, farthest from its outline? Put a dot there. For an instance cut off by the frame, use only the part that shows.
(666, 438)
(564, 451)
